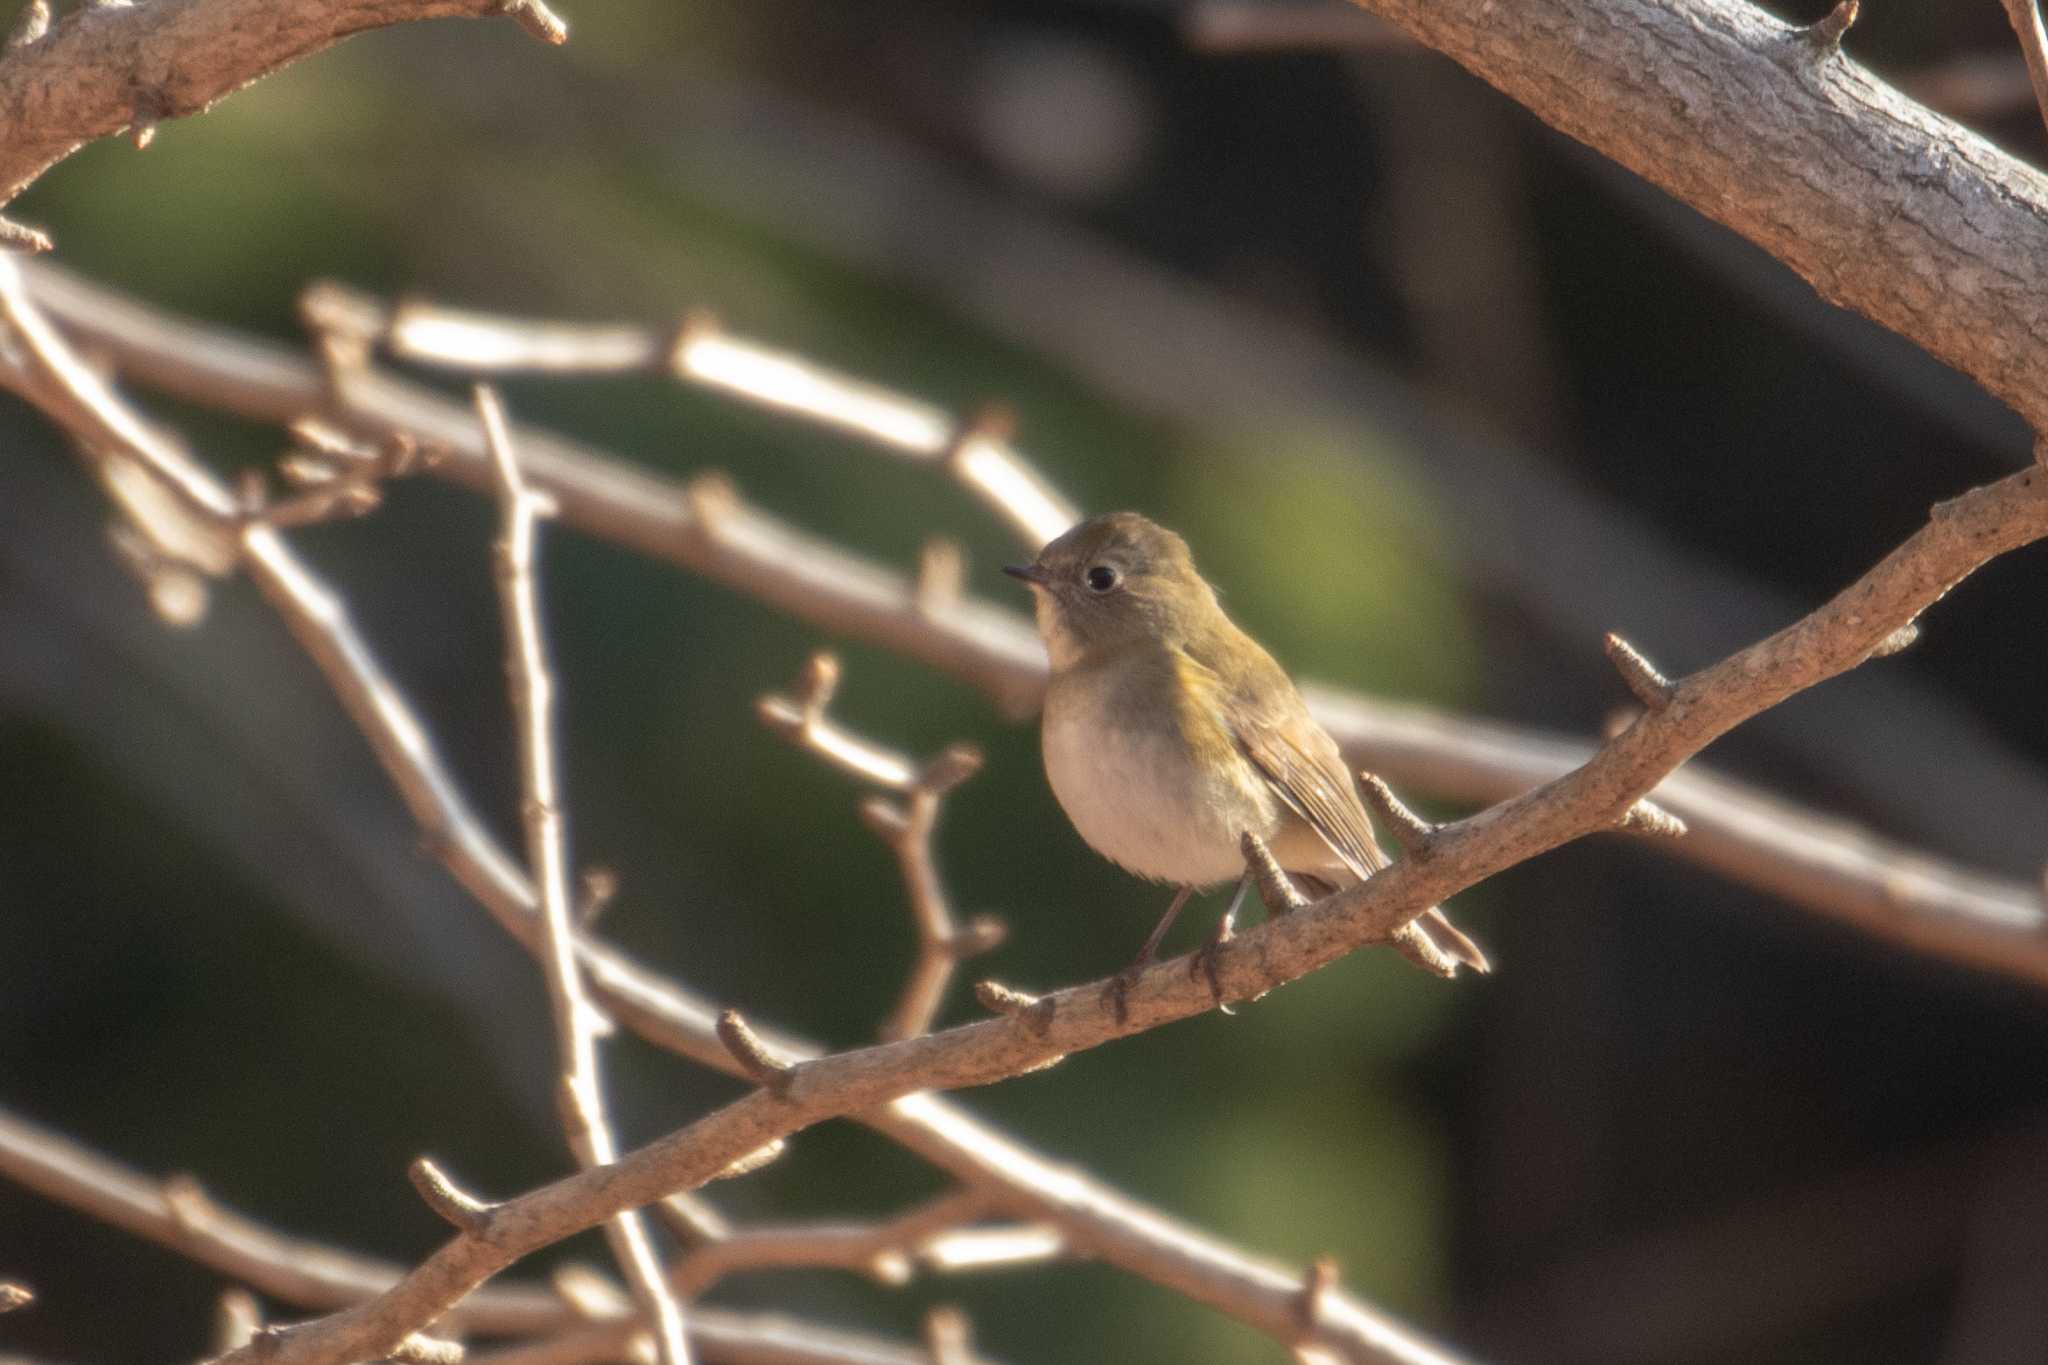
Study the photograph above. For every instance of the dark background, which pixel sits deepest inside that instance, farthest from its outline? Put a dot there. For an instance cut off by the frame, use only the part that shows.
(1436, 395)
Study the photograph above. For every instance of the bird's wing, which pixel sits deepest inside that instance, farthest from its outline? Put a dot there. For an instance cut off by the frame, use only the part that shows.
(1299, 760)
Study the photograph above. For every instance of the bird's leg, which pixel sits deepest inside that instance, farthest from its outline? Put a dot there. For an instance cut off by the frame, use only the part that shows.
(1205, 959)
(1120, 984)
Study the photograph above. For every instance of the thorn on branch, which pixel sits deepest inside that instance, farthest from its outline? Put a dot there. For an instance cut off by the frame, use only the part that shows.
(979, 935)
(462, 1211)
(1900, 640)
(1419, 948)
(1826, 34)
(988, 423)
(1316, 1287)
(237, 1318)
(947, 1337)
(941, 575)
(21, 237)
(1276, 888)
(762, 1066)
(1650, 687)
(1648, 818)
(954, 765)
(537, 19)
(712, 499)
(1408, 829)
(420, 1349)
(598, 887)
(754, 1160)
(693, 1221)
(587, 1293)
(29, 25)
(997, 998)
(186, 1202)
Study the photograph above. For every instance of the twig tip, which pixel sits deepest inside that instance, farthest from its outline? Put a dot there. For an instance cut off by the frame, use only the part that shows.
(1650, 687)
(1826, 33)
(462, 1211)
(762, 1066)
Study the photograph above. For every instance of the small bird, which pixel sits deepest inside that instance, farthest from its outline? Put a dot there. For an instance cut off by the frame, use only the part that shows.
(1168, 732)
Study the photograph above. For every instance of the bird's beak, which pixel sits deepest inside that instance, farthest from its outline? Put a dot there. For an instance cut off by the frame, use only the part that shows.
(1030, 573)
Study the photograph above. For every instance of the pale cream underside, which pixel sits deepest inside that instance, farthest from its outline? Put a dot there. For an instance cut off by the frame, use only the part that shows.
(1140, 802)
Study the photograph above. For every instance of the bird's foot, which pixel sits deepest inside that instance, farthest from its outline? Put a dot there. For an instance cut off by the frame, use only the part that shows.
(1207, 960)
(1116, 994)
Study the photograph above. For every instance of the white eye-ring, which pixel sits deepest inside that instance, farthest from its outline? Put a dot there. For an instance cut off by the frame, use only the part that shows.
(1101, 578)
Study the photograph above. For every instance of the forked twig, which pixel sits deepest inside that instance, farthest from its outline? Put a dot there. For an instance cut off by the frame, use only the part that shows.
(942, 944)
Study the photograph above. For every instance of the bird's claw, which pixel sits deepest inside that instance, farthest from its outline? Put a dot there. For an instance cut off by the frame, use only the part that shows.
(1207, 961)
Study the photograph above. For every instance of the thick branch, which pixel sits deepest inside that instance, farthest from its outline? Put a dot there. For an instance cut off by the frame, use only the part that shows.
(1884, 206)
(108, 68)
(1961, 535)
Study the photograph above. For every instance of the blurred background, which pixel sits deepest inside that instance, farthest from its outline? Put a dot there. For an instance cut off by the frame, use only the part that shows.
(1436, 395)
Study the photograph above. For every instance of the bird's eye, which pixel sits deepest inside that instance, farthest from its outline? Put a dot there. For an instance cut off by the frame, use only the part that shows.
(1102, 578)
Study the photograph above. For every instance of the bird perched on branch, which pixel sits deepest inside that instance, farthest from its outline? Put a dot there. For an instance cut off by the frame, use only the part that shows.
(1169, 733)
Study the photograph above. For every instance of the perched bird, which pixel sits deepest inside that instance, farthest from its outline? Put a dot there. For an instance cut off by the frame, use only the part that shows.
(1168, 732)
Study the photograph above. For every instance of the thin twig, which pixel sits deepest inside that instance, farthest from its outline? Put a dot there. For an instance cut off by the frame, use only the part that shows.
(942, 945)
(2026, 25)
(311, 1275)
(1821, 863)
(933, 1235)
(580, 1096)
(975, 450)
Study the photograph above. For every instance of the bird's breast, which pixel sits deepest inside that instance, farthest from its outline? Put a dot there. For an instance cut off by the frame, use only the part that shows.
(1135, 791)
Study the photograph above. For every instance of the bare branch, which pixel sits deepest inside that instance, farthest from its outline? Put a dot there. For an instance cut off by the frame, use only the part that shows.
(941, 944)
(2026, 25)
(933, 1235)
(1882, 205)
(13, 1296)
(765, 1339)
(580, 1090)
(975, 450)
(315, 1276)
(1824, 864)
(106, 69)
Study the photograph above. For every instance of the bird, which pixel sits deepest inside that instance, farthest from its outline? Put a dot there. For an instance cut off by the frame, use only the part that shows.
(1168, 733)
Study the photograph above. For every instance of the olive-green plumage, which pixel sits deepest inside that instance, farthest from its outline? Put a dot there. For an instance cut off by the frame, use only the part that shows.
(1168, 732)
